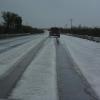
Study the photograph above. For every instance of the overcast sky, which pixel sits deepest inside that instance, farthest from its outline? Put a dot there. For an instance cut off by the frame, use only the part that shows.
(46, 13)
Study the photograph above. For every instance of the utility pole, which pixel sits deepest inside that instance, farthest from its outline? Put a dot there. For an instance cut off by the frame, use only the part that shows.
(71, 23)
(66, 26)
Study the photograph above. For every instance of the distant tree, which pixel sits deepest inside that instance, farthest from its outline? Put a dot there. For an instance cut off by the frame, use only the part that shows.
(12, 21)
(18, 23)
(80, 26)
(7, 18)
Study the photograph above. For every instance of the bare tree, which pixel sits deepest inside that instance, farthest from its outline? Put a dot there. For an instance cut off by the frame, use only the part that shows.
(11, 21)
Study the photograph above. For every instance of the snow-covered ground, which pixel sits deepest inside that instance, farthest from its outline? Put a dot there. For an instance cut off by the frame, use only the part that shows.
(10, 57)
(86, 54)
(3, 41)
(39, 80)
(13, 42)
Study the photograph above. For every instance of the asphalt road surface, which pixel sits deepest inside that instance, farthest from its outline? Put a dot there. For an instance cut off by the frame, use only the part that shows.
(15, 42)
(70, 84)
(9, 80)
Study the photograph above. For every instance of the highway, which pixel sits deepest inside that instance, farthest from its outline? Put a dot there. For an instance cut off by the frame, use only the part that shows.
(71, 85)
(40, 68)
(14, 42)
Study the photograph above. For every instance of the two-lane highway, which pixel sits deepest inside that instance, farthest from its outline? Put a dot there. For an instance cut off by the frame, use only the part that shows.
(13, 62)
(70, 84)
(45, 68)
(8, 44)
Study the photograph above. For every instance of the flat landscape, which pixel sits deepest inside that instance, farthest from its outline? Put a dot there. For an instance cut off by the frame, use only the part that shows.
(37, 67)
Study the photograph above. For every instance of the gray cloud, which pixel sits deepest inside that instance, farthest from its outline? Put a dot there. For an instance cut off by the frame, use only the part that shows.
(45, 13)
